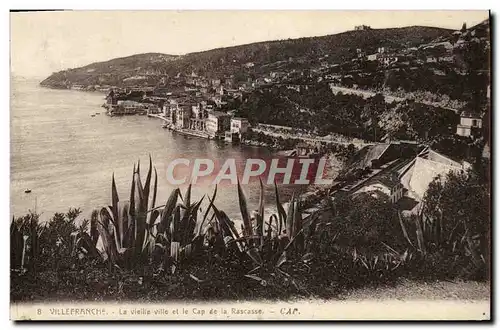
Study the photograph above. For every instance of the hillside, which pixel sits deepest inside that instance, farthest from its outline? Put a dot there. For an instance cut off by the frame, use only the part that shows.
(283, 54)
(112, 72)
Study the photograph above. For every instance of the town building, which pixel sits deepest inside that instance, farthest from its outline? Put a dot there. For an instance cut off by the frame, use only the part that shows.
(230, 136)
(431, 59)
(197, 111)
(470, 124)
(217, 123)
(229, 82)
(197, 124)
(215, 82)
(387, 184)
(180, 116)
(111, 98)
(303, 149)
(166, 111)
(360, 53)
(486, 151)
(362, 28)
(220, 90)
(239, 125)
(449, 59)
(383, 50)
(133, 107)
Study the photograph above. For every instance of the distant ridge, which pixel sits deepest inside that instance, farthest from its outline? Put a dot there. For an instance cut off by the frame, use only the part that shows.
(267, 55)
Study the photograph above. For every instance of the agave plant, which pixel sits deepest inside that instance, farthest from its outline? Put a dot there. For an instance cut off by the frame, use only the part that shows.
(133, 231)
(267, 249)
(25, 234)
(123, 225)
(18, 243)
(84, 241)
(176, 233)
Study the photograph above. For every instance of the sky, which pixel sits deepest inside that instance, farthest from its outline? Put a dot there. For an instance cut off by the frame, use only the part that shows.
(46, 42)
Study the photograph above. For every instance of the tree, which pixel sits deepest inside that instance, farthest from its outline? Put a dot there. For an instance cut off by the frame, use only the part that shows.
(365, 223)
(464, 27)
(459, 209)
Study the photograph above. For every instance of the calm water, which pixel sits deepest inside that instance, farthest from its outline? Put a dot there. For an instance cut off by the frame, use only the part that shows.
(66, 157)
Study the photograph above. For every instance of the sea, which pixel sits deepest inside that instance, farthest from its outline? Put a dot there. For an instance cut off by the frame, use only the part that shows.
(66, 154)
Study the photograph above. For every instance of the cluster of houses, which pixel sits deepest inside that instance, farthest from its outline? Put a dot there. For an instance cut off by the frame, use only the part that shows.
(129, 102)
(427, 53)
(440, 50)
(185, 112)
(202, 119)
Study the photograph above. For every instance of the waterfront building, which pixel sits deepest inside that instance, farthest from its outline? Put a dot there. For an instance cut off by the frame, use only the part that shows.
(197, 124)
(180, 116)
(111, 98)
(183, 116)
(166, 110)
(230, 136)
(217, 123)
(239, 125)
(199, 111)
(196, 111)
(128, 107)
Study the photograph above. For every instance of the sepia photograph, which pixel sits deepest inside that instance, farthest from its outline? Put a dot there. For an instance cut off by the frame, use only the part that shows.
(250, 165)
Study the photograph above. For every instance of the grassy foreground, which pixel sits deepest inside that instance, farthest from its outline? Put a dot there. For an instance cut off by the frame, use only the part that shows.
(136, 250)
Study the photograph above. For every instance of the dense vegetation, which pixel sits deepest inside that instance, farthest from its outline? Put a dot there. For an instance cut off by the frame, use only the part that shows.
(137, 250)
(318, 110)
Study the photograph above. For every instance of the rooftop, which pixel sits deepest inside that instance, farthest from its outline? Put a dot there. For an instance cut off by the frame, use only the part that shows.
(302, 145)
(388, 179)
(218, 113)
(437, 157)
(468, 114)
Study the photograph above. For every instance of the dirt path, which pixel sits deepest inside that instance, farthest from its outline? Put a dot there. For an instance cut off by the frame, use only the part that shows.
(410, 290)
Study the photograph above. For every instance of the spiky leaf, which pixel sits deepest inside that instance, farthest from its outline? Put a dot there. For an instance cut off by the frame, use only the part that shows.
(245, 215)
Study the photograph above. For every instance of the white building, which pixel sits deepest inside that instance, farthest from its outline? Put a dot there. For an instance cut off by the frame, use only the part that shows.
(387, 185)
(180, 117)
(239, 125)
(418, 174)
(468, 123)
(217, 123)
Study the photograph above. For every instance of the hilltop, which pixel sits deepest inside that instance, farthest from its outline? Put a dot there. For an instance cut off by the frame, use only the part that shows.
(149, 68)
